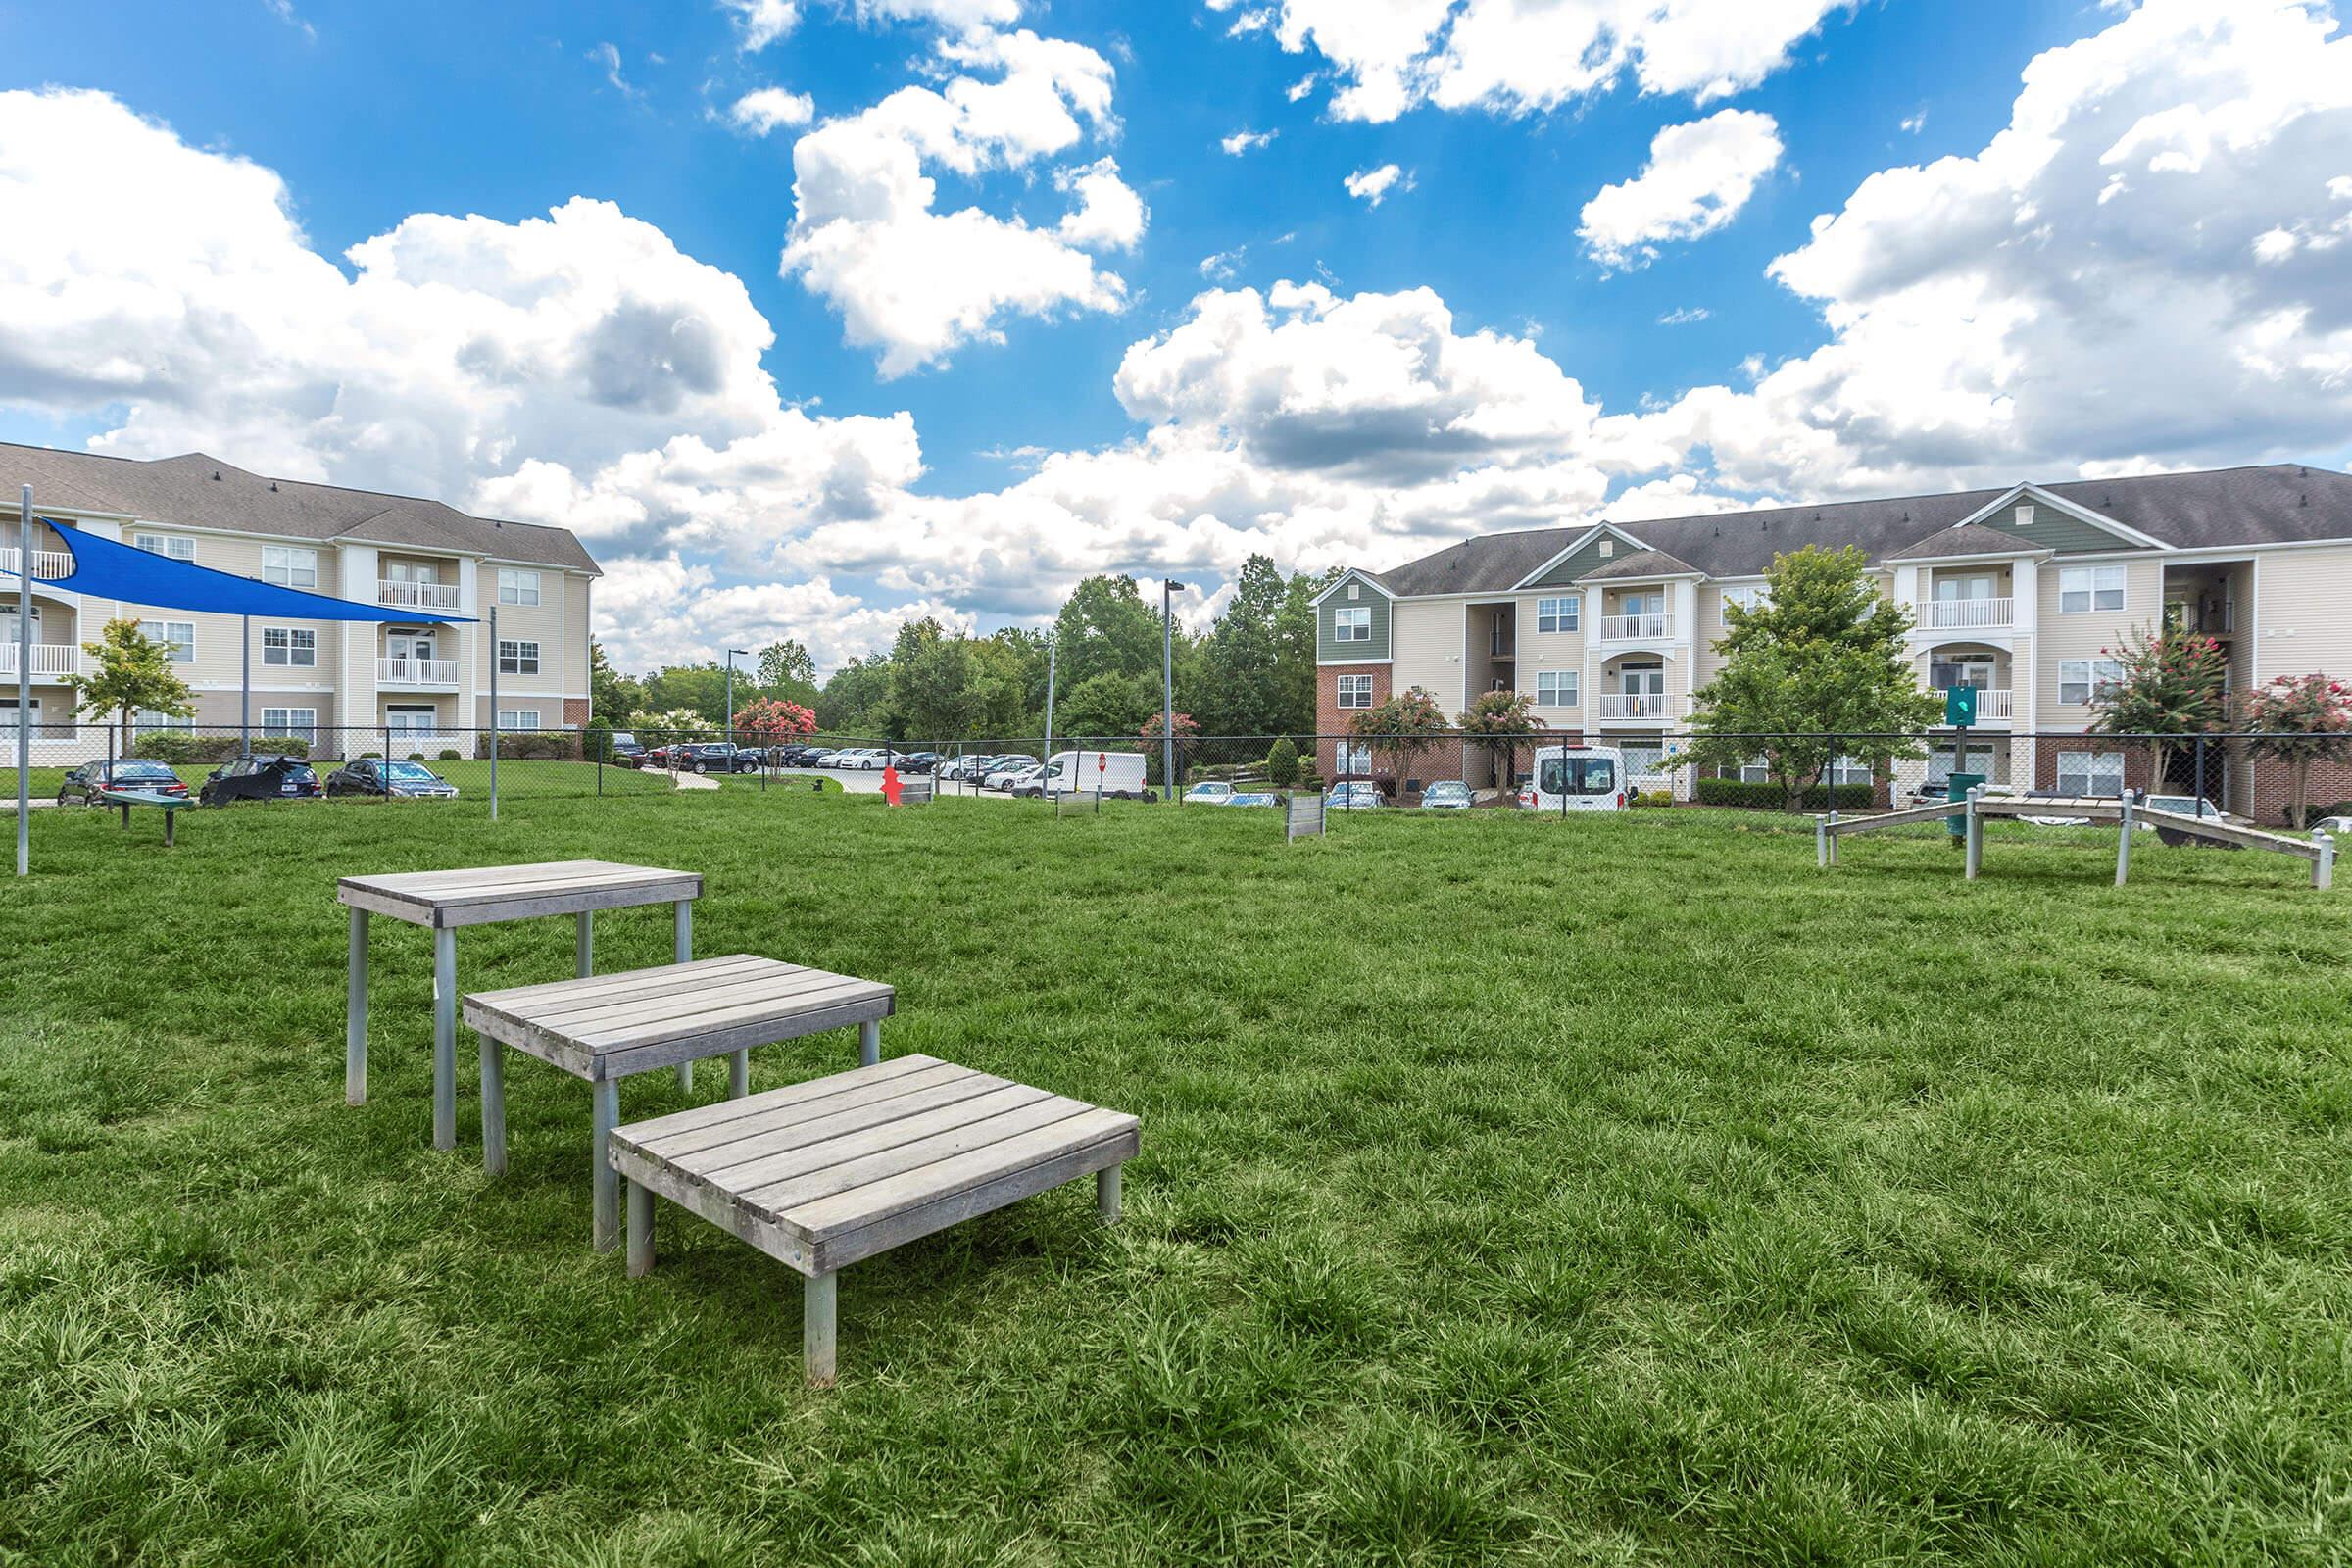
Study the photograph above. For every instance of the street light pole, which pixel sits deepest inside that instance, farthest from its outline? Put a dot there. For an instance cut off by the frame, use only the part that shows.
(731, 653)
(1168, 685)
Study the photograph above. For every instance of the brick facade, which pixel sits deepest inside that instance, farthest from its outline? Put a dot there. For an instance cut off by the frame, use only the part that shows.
(575, 712)
(1331, 719)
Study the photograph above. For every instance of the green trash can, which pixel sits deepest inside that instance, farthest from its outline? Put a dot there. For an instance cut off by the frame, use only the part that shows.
(1956, 792)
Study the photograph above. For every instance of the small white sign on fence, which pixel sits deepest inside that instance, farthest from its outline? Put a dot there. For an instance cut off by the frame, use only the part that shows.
(1303, 817)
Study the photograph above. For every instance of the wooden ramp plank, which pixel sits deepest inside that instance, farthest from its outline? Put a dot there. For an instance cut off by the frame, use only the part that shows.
(654, 1131)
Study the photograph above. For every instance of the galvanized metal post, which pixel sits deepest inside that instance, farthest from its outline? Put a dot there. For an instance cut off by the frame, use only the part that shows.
(1975, 831)
(25, 681)
(2322, 870)
(494, 712)
(245, 687)
(2123, 841)
(1052, 658)
(1167, 686)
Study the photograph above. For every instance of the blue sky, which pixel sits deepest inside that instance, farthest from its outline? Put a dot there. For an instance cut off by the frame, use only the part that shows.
(838, 483)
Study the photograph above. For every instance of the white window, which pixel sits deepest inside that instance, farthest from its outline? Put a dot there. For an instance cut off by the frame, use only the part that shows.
(1559, 615)
(518, 587)
(300, 724)
(1755, 770)
(2090, 772)
(2025, 514)
(1978, 760)
(1351, 625)
(293, 646)
(1850, 770)
(178, 546)
(1556, 688)
(1355, 691)
(2082, 589)
(1755, 595)
(1608, 547)
(408, 721)
(177, 635)
(1353, 757)
(289, 567)
(517, 657)
(518, 719)
(2079, 680)
(146, 721)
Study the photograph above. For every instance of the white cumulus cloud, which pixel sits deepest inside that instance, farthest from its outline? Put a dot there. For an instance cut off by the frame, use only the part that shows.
(767, 109)
(1247, 141)
(1372, 186)
(1697, 179)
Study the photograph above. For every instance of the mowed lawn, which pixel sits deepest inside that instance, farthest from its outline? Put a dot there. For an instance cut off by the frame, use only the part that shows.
(1616, 1189)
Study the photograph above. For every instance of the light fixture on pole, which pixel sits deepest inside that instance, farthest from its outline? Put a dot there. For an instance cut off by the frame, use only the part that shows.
(731, 653)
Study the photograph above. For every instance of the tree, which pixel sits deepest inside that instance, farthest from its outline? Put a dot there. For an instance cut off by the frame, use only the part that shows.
(1295, 653)
(857, 700)
(1401, 729)
(1281, 763)
(1236, 683)
(133, 673)
(655, 728)
(771, 721)
(2169, 683)
(787, 663)
(930, 675)
(1823, 656)
(1186, 730)
(611, 696)
(1106, 629)
(1103, 705)
(701, 687)
(1500, 722)
(2301, 719)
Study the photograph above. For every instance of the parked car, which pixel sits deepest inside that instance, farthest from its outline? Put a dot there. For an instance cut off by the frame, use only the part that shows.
(261, 779)
(93, 779)
(1255, 798)
(1007, 769)
(717, 757)
(1357, 794)
(1576, 778)
(2335, 827)
(969, 769)
(2196, 805)
(1029, 781)
(392, 778)
(1216, 792)
(917, 762)
(1445, 795)
(622, 749)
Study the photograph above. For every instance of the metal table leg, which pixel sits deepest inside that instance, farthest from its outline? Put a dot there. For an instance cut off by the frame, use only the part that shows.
(355, 1014)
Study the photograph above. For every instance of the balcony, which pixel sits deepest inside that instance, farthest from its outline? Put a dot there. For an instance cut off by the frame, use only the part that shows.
(45, 563)
(1636, 704)
(418, 595)
(50, 661)
(1657, 626)
(1991, 702)
(1967, 615)
(426, 674)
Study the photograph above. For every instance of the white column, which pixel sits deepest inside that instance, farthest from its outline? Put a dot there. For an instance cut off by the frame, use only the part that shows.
(1906, 587)
(355, 682)
(470, 639)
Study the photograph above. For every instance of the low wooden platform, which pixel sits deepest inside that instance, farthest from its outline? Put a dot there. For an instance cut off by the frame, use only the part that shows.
(608, 1027)
(821, 1174)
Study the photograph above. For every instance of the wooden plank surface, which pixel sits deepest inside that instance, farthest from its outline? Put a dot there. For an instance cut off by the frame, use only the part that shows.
(1909, 814)
(2229, 832)
(477, 894)
(654, 1130)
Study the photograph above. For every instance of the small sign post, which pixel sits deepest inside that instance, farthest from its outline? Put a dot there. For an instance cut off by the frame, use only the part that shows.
(1960, 713)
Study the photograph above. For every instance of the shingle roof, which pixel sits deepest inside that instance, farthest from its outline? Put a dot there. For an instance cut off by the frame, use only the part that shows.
(197, 491)
(2220, 507)
(1641, 564)
(1969, 539)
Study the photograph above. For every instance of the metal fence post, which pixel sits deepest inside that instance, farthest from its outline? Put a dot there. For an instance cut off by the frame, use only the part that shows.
(2123, 842)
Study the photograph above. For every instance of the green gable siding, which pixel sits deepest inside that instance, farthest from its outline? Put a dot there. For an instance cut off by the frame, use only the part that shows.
(1368, 598)
(1584, 559)
(2053, 529)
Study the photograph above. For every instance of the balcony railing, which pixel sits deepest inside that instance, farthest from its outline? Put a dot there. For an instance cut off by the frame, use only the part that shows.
(1636, 704)
(1633, 628)
(48, 659)
(1992, 702)
(418, 595)
(45, 563)
(416, 672)
(1967, 615)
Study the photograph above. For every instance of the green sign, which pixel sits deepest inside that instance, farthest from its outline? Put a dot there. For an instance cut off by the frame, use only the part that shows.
(1960, 707)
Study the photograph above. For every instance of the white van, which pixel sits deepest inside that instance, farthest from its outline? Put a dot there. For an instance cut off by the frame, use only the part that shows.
(1118, 774)
(1577, 778)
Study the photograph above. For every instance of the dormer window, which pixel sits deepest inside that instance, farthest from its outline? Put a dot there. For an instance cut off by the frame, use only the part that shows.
(1355, 590)
(2025, 514)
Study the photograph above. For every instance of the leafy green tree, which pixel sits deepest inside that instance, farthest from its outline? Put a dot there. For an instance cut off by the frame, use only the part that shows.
(1102, 706)
(1823, 656)
(133, 673)
(1281, 763)
(701, 687)
(855, 701)
(1007, 689)
(611, 696)
(1294, 706)
(1499, 724)
(930, 677)
(1403, 728)
(787, 670)
(1237, 679)
(2171, 683)
(2301, 719)
(1106, 628)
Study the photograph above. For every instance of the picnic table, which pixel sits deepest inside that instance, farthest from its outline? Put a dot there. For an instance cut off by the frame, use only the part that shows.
(605, 1028)
(171, 805)
(445, 901)
(820, 1174)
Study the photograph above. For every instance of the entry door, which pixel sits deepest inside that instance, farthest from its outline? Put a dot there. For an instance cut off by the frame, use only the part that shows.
(1643, 680)
(410, 644)
(415, 571)
(410, 720)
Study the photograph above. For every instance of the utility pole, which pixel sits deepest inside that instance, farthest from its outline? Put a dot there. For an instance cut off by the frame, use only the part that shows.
(1168, 685)
(731, 653)
(25, 681)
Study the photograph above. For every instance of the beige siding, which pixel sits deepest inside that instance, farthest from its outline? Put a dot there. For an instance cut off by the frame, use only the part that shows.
(2062, 637)
(2300, 598)
(1540, 651)
(1426, 643)
(542, 623)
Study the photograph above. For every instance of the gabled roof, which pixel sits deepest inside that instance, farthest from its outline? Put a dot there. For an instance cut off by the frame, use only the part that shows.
(2028, 491)
(2280, 502)
(197, 491)
(1965, 539)
(1642, 564)
(1354, 574)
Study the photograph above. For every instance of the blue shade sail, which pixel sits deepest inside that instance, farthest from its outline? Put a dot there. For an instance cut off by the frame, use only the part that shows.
(111, 570)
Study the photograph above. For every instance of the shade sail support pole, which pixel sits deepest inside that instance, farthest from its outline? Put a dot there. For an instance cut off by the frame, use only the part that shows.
(25, 681)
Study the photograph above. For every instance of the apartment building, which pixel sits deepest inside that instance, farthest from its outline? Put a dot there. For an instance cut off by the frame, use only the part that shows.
(428, 686)
(1610, 628)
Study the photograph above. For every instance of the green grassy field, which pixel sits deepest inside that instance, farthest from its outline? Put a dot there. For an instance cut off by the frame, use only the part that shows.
(1611, 1191)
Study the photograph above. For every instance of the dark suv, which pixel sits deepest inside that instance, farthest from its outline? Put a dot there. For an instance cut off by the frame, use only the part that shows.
(260, 779)
(714, 757)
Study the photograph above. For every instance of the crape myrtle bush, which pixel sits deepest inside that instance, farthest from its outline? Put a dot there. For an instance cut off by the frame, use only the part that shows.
(1766, 796)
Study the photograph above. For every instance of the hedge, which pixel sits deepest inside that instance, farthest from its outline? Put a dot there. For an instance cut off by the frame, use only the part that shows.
(543, 746)
(180, 748)
(1769, 797)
